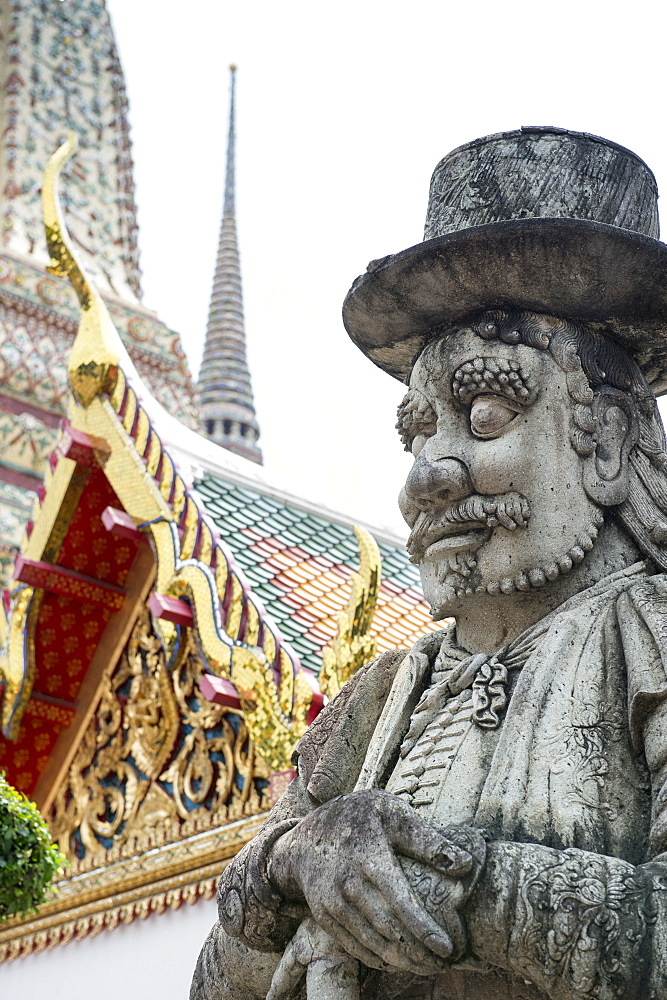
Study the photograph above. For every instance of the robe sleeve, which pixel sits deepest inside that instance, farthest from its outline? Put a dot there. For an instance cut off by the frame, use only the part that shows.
(642, 619)
(581, 925)
(576, 924)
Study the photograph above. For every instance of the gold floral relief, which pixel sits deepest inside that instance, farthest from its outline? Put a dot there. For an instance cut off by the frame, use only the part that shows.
(158, 761)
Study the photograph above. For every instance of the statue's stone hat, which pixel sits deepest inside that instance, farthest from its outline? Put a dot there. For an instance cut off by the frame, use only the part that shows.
(542, 219)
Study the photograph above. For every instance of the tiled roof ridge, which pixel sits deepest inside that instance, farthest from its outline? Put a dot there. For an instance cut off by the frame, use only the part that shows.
(303, 565)
(302, 503)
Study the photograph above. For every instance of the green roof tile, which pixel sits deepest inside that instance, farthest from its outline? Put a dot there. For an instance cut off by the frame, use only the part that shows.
(234, 509)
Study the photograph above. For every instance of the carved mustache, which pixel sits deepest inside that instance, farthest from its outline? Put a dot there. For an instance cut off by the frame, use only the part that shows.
(507, 510)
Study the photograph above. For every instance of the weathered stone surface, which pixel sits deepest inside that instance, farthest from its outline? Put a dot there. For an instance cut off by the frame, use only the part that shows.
(539, 219)
(542, 173)
(486, 817)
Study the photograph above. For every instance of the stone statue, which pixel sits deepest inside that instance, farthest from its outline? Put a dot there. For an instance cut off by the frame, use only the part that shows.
(484, 817)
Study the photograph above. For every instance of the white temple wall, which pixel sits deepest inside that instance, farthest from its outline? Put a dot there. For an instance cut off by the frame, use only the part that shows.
(149, 959)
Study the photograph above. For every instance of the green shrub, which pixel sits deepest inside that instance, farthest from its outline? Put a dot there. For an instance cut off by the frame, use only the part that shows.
(28, 857)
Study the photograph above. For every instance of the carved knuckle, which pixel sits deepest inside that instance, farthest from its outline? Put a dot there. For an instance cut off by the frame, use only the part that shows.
(352, 888)
(320, 915)
(337, 908)
(376, 962)
(388, 960)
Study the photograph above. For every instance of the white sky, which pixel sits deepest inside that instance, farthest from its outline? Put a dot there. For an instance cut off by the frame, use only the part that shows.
(343, 110)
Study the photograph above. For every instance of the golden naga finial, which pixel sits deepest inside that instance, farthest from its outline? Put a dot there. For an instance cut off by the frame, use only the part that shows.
(352, 645)
(93, 361)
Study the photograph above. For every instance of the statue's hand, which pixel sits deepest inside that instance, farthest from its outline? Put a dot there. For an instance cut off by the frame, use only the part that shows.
(331, 973)
(342, 859)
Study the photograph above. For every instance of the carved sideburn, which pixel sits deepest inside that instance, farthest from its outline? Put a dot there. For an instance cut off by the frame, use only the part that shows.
(158, 762)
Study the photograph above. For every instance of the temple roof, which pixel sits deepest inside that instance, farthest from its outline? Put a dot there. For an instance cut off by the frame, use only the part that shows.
(300, 563)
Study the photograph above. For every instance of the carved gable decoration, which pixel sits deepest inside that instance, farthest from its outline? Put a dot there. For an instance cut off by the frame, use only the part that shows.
(163, 787)
(158, 761)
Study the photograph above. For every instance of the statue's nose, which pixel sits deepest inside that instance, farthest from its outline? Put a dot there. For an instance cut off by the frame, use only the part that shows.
(436, 480)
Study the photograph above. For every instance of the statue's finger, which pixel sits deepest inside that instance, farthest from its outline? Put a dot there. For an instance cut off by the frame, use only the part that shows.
(394, 888)
(354, 947)
(371, 904)
(387, 954)
(289, 973)
(414, 838)
(371, 921)
(506, 520)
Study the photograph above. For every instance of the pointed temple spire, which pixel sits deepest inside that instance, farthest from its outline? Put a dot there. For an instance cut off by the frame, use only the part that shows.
(225, 390)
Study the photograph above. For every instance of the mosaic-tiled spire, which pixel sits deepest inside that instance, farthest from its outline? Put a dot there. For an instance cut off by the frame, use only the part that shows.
(225, 390)
(59, 71)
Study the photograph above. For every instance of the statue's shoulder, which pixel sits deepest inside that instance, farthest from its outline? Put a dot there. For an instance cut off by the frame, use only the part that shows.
(329, 756)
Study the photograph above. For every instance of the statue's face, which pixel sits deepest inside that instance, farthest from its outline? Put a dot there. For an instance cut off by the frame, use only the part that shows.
(495, 498)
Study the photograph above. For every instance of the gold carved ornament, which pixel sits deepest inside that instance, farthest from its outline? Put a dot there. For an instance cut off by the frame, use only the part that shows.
(153, 729)
(353, 645)
(17, 656)
(93, 361)
(164, 786)
(161, 791)
(159, 761)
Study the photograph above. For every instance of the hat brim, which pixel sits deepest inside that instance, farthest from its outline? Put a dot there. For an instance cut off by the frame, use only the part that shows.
(570, 268)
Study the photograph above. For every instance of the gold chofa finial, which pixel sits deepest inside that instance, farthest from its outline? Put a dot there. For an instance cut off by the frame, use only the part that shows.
(93, 361)
(353, 645)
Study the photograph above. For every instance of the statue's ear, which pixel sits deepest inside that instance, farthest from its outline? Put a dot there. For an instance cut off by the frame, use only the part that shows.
(606, 470)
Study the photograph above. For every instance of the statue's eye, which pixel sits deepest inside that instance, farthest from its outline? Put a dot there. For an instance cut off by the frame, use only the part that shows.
(489, 415)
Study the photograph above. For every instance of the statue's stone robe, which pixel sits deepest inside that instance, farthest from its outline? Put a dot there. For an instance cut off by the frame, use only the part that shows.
(568, 785)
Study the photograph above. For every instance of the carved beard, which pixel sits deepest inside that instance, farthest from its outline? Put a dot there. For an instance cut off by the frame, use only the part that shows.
(457, 572)
(507, 510)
